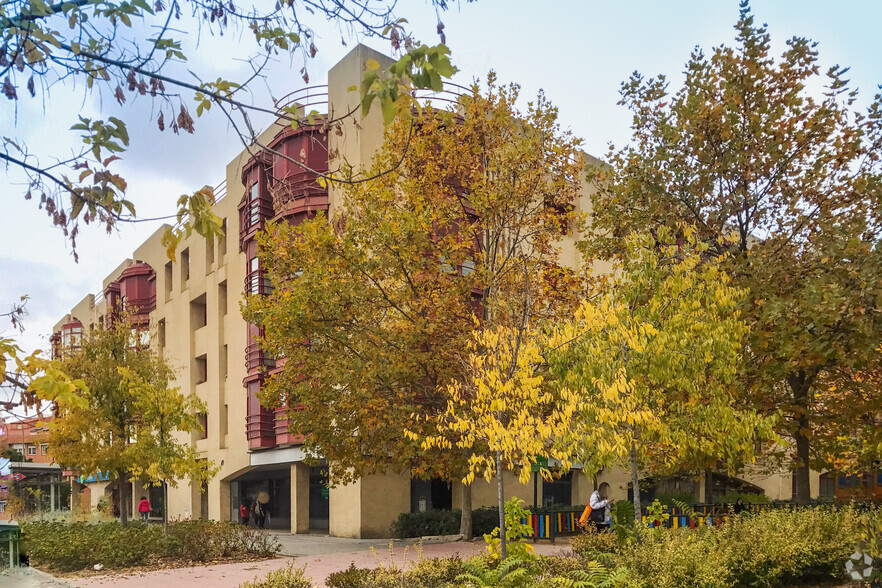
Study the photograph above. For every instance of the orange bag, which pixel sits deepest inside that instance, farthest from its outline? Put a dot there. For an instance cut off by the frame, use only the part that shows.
(583, 520)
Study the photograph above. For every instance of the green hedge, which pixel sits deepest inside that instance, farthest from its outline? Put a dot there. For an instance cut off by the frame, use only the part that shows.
(443, 522)
(771, 548)
(446, 522)
(69, 546)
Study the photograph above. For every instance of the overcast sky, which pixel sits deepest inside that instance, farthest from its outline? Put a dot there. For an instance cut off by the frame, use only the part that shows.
(578, 52)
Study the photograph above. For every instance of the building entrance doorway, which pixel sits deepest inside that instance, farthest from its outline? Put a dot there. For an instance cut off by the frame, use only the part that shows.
(319, 499)
(434, 494)
(272, 488)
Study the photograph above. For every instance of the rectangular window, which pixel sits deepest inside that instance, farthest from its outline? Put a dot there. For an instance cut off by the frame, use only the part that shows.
(203, 422)
(198, 313)
(44, 448)
(257, 282)
(168, 280)
(225, 420)
(254, 206)
(222, 298)
(209, 256)
(224, 357)
(222, 242)
(139, 338)
(155, 498)
(200, 370)
(185, 267)
(161, 332)
(32, 450)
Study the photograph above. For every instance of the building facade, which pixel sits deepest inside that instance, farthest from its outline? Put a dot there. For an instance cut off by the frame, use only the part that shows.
(191, 310)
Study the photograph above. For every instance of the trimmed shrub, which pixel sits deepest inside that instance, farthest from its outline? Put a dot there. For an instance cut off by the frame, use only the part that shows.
(68, 546)
(426, 573)
(772, 548)
(731, 497)
(289, 577)
(484, 520)
(351, 577)
(73, 546)
(591, 543)
(433, 573)
(198, 540)
(430, 522)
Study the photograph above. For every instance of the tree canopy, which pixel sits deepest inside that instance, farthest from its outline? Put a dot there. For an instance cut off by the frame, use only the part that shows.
(123, 49)
(749, 145)
(653, 362)
(115, 411)
(373, 308)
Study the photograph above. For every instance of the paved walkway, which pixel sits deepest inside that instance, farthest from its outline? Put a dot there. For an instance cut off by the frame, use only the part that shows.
(28, 578)
(319, 555)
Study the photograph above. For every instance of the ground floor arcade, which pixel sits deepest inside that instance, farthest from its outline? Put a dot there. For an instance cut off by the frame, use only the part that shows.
(295, 495)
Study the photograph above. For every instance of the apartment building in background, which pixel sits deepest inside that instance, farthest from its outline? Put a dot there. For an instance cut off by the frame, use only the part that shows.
(29, 436)
(27, 470)
(191, 310)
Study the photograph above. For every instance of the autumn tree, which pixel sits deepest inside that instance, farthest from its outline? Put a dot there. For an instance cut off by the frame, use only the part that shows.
(159, 453)
(654, 360)
(123, 50)
(748, 144)
(373, 308)
(105, 416)
(505, 415)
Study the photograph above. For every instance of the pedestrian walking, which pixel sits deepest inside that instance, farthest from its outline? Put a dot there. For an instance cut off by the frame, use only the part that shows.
(259, 512)
(739, 507)
(600, 504)
(245, 512)
(144, 508)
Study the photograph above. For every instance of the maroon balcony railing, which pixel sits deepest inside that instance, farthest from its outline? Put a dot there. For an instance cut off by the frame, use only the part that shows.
(252, 217)
(260, 429)
(256, 282)
(255, 358)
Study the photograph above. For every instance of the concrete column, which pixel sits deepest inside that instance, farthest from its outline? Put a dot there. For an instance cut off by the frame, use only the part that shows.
(52, 495)
(583, 486)
(223, 501)
(299, 497)
(700, 486)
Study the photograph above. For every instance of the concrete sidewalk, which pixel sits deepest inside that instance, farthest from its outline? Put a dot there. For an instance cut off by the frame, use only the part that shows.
(317, 565)
(315, 544)
(30, 578)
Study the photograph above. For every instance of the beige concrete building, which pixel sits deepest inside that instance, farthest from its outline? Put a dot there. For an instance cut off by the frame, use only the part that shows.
(192, 310)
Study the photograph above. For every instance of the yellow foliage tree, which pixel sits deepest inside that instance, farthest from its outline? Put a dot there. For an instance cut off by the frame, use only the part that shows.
(505, 415)
(115, 411)
(653, 361)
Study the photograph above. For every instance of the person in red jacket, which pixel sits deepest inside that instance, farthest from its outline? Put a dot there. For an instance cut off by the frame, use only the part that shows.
(144, 508)
(245, 512)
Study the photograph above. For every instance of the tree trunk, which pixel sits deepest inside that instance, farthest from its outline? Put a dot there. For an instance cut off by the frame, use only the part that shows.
(635, 483)
(800, 385)
(500, 498)
(165, 508)
(123, 503)
(465, 521)
(708, 486)
(802, 492)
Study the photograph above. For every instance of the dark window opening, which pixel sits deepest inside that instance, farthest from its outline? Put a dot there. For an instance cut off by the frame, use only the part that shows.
(185, 267)
(559, 491)
(198, 313)
(200, 369)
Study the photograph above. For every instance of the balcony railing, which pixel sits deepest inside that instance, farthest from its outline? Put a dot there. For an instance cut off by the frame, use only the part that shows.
(257, 282)
(255, 358)
(260, 429)
(308, 99)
